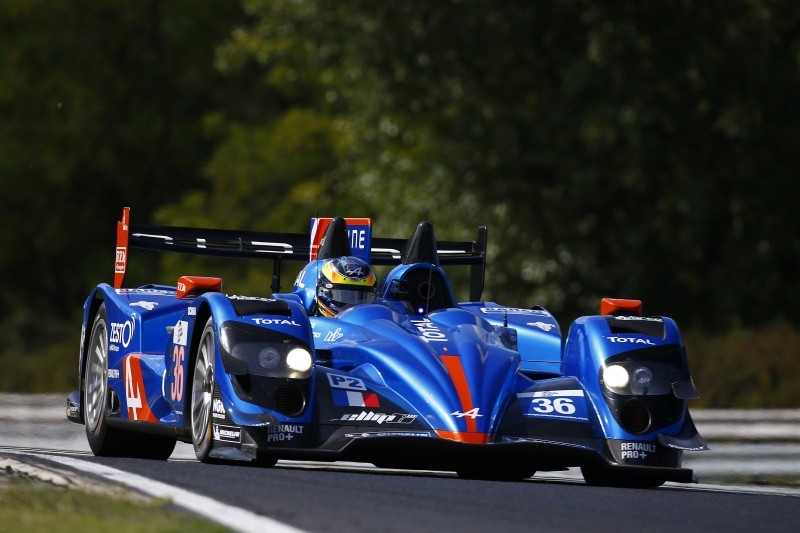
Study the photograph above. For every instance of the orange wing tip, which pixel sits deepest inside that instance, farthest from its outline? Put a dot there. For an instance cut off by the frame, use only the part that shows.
(190, 286)
(463, 436)
(619, 306)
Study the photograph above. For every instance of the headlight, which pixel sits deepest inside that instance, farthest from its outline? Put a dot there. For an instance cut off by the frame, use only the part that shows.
(247, 349)
(642, 377)
(615, 377)
(646, 375)
(269, 357)
(299, 360)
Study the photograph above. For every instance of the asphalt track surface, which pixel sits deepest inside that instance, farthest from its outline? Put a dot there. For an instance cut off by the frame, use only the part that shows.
(353, 497)
(358, 497)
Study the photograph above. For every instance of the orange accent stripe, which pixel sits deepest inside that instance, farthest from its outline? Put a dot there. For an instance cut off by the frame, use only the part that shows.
(135, 393)
(460, 436)
(456, 371)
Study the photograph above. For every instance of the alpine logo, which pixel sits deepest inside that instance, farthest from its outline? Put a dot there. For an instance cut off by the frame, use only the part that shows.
(378, 418)
(472, 413)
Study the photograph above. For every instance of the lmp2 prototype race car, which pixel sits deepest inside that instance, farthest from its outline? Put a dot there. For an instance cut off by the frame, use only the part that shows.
(397, 374)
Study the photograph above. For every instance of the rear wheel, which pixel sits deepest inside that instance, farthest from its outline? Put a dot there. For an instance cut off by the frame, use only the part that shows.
(202, 388)
(105, 440)
(604, 477)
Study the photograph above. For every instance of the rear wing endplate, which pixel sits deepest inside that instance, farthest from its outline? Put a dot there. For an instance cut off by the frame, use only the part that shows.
(278, 247)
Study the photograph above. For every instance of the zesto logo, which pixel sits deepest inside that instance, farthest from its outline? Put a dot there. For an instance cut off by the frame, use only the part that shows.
(121, 333)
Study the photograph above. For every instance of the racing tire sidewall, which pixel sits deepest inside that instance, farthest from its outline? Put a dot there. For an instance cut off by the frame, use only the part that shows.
(200, 407)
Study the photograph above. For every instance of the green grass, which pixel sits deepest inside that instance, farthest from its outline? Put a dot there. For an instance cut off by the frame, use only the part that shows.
(32, 506)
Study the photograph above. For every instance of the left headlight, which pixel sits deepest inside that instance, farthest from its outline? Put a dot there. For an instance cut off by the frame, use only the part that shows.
(299, 360)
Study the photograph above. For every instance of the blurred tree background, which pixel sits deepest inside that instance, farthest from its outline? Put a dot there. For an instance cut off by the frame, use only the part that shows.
(612, 148)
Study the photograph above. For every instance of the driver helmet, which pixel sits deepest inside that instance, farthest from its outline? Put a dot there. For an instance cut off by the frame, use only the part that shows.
(343, 282)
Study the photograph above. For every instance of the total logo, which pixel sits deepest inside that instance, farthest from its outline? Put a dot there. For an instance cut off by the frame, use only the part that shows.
(274, 322)
(430, 332)
(631, 340)
(121, 332)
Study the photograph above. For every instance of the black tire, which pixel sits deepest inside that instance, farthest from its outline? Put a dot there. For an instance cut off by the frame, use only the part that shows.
(103, 439)
(604, 477)
(202, 390)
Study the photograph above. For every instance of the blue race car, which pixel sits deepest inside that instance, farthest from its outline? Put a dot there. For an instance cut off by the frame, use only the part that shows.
(397, 374)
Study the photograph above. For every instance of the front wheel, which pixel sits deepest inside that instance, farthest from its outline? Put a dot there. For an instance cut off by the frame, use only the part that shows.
(202, 388)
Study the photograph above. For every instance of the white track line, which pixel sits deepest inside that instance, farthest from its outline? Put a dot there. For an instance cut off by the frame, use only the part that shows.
(235, 518)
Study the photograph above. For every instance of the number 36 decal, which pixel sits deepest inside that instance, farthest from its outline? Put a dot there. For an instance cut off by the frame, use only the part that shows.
(563, 406)
(554, 404)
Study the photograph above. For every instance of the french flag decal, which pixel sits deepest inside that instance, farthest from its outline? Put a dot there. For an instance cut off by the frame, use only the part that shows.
(355, 398)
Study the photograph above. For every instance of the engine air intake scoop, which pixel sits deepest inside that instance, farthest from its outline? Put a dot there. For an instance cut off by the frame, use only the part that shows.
(421, 247)
(335, 242)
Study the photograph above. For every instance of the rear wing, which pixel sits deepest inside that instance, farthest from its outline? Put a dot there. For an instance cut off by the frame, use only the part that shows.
(280, 246)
